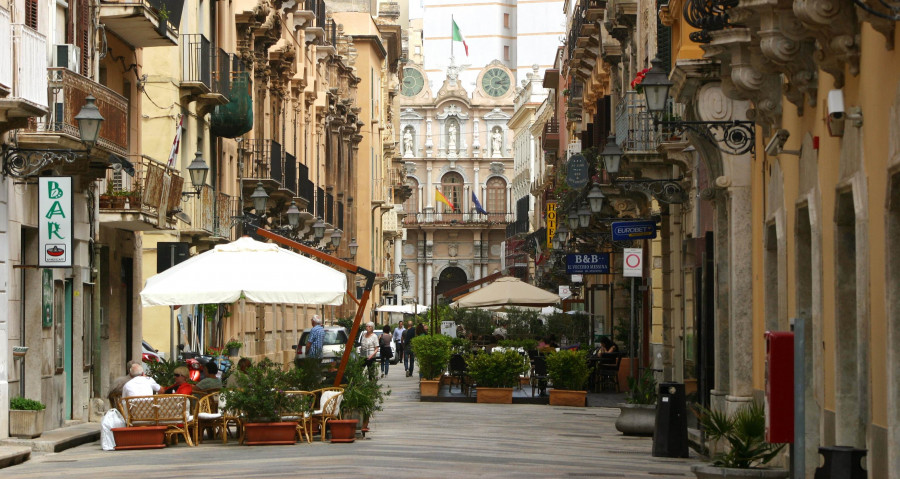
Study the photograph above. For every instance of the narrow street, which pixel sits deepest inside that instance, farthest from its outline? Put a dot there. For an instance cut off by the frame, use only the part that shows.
(408, 439)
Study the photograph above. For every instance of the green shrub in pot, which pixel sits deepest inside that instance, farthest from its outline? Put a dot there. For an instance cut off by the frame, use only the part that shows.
(260, 394)
(568, 369)
(496, 370)
(433, 354)
(25, 404)
(642, 389)
(744, 432)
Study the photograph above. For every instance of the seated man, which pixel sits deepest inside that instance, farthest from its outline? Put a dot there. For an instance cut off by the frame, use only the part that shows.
(139, 385)
(210, 381)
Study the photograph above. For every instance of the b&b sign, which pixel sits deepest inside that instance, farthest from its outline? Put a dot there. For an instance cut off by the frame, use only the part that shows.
(591, 263)
(55, 221)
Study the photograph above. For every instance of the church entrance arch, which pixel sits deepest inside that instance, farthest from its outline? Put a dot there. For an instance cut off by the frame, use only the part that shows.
(451, 277)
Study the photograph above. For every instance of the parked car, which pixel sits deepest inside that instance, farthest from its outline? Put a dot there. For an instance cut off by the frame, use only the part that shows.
(394, 358)
(335, 340)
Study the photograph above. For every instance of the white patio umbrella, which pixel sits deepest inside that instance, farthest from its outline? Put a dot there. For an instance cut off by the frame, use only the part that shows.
(507, 291)
(402, 308)
(262, 272)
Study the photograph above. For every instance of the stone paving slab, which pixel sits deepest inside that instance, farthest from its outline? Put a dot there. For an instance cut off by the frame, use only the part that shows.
(12, 455)
(56, 440)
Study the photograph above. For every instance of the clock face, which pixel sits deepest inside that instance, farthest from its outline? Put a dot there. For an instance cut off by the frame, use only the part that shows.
(412, 82)
(495, 82)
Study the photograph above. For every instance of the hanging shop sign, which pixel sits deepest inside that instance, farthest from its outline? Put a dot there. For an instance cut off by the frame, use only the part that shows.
(577, 172)
(632, 262)
(551, 223)
(633, 230)
(55, 221)
(590, 263)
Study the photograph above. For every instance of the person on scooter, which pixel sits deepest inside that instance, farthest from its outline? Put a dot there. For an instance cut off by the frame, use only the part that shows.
(210, 381)
(181, 386)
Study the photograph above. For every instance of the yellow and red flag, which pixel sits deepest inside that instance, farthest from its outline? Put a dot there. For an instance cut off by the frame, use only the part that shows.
(438, 196)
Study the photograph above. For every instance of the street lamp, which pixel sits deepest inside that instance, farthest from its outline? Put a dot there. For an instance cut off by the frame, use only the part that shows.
(336, 236)
(403, 267)
(612, 155)
(353, 246)
(259, 197)
(198, 169)
(572, 217)
(656, 86)
(319, 229)
(293, 215)
(555, 241)
(584, 216)
(89, 122)
(595, 198)
(563, 233)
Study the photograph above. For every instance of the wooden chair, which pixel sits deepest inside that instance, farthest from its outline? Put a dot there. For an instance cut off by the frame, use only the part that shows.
(539, 376)
(608, 370)
(178, 412)
(302, 415)
(329, 401)
(458, 369)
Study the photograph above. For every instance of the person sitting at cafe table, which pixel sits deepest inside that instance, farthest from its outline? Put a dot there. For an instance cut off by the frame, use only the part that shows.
(607, 346)
(181, 386)
(211, 381)
(139, 385)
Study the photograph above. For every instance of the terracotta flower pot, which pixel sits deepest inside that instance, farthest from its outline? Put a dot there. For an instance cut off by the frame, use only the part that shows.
(270, 433)
(562, 397)
(429, 387)
(493, 395)
(343, 430)
(149, 437)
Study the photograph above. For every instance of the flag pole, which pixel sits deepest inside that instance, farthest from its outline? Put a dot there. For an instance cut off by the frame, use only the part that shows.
(452, 22)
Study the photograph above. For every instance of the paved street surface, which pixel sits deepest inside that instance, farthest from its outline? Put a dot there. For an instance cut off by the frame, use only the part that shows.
(408, 439)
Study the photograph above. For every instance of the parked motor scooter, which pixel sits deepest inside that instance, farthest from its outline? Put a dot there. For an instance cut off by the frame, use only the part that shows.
(197, 362)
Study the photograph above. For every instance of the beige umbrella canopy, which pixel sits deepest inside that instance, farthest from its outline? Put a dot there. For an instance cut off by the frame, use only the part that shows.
(507, 291)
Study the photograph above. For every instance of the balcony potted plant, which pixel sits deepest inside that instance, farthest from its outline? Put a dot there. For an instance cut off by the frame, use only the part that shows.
(568, 371)
(363, 396)
(233, 346)
(638, 414)
(433, 354)
(260, 397)
(744, 433)
(495, 374)
(26, 417)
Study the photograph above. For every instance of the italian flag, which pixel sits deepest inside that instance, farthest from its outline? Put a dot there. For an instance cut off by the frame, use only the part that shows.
(457, 36)
(438, 196)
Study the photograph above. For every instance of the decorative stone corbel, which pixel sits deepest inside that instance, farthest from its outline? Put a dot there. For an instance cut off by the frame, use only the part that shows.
(836, 29)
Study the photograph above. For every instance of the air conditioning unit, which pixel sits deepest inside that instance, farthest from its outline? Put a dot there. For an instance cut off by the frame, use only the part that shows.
(67, 56)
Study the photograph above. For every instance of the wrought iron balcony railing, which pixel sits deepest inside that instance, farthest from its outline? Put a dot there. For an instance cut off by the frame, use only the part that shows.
(550, 139)
(27, 64)
(196, 61)
(452, 219)
(634, 125)
(266, 162)
(154, 188)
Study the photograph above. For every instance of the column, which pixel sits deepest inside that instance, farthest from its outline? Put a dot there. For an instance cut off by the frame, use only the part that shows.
(398, 256)
(476, 255)
(420, 282)
(741, 294)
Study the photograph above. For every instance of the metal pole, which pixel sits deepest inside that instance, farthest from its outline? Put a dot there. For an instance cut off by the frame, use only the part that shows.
(631, 333)
(172, 341)
(96, 350)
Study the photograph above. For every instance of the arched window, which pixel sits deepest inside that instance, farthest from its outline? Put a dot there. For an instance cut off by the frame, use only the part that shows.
(496, 196)
(452, 188)
(411, 205)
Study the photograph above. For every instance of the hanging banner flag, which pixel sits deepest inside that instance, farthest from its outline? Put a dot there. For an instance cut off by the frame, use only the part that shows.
(457, 36)
(438, 196)
(176, 144)
(478, 208)
(55, 221)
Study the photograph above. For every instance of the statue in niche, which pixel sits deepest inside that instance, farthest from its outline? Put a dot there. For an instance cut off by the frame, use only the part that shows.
(408, 144)
(496, 142)
(451, 137)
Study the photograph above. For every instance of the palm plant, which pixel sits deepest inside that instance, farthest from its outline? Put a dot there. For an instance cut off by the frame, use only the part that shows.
(744, 432)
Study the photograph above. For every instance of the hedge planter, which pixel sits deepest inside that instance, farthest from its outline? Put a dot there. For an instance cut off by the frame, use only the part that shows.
(150, 437)
(429, 387)
(706, 471)
(494, 395)
(342, 430)
(636, 419)
(270, 433)
(26, 424)
(562, 397)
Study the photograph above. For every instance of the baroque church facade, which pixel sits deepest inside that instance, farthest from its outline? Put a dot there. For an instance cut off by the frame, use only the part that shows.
(458, 160)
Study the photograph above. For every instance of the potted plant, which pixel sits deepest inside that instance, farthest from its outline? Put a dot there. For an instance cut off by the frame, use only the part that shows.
(638, 414)
(26, 417)
(363, 395)
(233, 346)
(744, 433)
(433, 354)
(568, 371)
(260, 397)
(495, 374)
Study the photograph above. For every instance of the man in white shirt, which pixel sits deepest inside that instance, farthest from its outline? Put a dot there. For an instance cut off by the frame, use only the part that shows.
(398, 340)
(139, 385)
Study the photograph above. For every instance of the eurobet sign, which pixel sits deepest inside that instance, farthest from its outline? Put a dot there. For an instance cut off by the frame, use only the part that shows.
(55, 221)
(632, 262)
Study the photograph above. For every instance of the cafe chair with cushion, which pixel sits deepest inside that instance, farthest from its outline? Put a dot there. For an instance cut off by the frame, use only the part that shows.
(302, 414)
(212, 415)
(329, 407)
(179, 413)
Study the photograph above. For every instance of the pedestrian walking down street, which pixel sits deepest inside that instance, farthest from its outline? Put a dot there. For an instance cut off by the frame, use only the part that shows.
(398, 340)
(409, 359)
(384, 350)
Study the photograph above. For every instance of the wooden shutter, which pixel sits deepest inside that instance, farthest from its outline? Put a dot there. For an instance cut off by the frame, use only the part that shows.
(83, 34)
(31, 13)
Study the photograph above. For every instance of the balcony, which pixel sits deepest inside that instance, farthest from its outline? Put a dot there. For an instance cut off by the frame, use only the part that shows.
(23, 73)
(459, 219)
(289, 185)
(265, 165)
(550, 137)
(143, 23)
(234, 118)
(315, 32)
(634, 126)
(517, 227)
(200, 64)
(143, 202)
(59, 129)
(210, 215)
(307, 194)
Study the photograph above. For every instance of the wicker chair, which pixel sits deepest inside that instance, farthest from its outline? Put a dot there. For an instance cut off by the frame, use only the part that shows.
(303, 415)
(212, 414)
(329, 400)
(178, 412)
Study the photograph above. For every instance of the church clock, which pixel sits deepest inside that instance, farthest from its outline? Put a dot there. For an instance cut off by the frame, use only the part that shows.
(413, 82)
(495, 82)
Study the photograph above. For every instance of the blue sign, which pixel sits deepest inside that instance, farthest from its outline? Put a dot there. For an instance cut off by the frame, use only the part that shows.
(633, 230)
(577, 172)
(588, 263)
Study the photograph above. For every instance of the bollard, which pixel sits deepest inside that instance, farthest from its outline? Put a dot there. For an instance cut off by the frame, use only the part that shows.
(670, 437)
(841, 462)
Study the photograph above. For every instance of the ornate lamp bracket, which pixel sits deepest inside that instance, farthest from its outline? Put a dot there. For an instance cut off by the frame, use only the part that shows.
(668, 191)
(735, 137)
(23, 163)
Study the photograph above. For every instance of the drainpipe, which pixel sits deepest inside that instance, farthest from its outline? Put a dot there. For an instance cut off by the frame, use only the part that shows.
(95, 323)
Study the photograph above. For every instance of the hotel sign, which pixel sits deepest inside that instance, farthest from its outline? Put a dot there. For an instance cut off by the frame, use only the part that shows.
(55, 221)
(551, 222)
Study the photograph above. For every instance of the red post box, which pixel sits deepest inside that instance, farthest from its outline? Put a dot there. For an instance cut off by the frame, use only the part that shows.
(779, 386)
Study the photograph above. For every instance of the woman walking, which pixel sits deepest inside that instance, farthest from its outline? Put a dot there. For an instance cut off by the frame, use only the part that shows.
(384, 345)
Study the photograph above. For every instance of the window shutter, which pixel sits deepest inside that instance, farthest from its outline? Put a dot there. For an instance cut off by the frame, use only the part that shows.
(31, 13)
(83, 34)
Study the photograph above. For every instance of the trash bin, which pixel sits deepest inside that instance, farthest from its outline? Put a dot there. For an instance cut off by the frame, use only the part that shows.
(841, 462)
(670, 437)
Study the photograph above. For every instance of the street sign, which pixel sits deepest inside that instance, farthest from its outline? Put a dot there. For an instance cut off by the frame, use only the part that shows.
(633, 230)
(564, 291)
(577, 171)
(590, 263)
(55, 221)
(632, 259)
